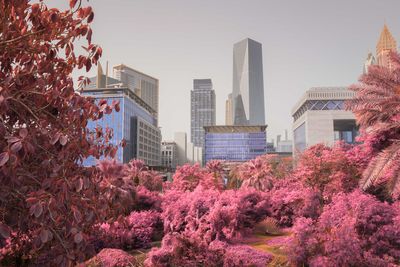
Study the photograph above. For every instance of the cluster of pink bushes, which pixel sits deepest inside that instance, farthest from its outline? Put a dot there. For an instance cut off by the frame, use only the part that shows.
(356, 229)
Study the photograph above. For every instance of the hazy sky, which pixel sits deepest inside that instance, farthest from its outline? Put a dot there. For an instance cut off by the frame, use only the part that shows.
(305, 44)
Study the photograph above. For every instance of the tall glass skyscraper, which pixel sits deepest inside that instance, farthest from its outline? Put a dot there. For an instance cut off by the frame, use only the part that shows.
(248, 83)
(202, 109)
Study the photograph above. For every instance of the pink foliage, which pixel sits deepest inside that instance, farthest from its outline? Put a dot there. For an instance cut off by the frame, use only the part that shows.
(354, 230)
(290, 200)
(258, 173)
(147, 200)
(109, 257)
(188, 177)
(179, 250)
(141, 175)
(243, 255)
(330, 170)
(134, 231)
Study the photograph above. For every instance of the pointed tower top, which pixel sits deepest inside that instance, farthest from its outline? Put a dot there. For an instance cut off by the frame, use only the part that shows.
(386, 41)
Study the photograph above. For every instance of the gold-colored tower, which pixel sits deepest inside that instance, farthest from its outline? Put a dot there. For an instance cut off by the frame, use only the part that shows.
(385, 44)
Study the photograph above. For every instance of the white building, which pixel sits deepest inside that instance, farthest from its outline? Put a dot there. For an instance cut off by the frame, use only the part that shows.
(320, 117)
(284, 146)
(169, 154)
(181, 147)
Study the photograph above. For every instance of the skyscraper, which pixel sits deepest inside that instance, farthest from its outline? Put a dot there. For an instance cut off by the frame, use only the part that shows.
(385, 45)
(202, 109)
(181, 148)
(143, 85)
(248, 84)
(229, 111)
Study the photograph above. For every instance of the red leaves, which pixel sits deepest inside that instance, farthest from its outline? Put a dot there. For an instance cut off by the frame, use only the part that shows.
(16, 146)
(4, 230)
(78, 237)
(4, 157)
(90, 17)
(55, 138)
(45, 235)
(63, 140)
(36, 209)
(23, 132)
(72, 3)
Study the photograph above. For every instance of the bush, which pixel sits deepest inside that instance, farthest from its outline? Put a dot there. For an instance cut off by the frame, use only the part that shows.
(354, 230)
(137, 230)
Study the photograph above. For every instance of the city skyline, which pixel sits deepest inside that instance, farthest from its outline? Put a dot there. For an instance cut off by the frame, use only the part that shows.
(306, 40)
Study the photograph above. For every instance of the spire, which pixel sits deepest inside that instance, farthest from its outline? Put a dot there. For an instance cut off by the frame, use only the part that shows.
(386, 41)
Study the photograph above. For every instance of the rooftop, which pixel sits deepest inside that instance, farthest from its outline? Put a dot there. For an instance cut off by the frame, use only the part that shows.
(324, 93)
(235, 128)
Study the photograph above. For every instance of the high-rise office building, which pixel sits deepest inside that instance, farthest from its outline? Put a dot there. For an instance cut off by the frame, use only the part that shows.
(229, 111)
(143, 85)
(248, 83)
(385, 45)
(136, 122)
(202, 109)
(320, 117)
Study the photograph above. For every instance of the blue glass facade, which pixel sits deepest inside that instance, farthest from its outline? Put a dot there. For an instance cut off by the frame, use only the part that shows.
(122, 124)
(234, 146)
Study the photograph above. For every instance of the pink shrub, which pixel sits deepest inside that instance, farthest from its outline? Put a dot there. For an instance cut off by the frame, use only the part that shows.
(293, 201)
(188, 177)
(329, 170)
(258, 173)
(180, 250)
(141, 175)
(134, 231)
(147, 200)
(109, 257)
(354, 230)
(243, 255)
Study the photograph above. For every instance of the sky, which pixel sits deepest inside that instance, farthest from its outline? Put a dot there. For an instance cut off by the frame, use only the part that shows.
(306, 43)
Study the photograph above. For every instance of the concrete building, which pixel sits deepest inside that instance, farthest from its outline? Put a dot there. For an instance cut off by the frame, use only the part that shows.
(320, 117)
(385, 45)
(136, 122)
(143, 85)
(202, 109)
(234, 143)
(169, 154)
(248, 84)
(369, 62)
(284, 146)
(180, 139)
(229, 111)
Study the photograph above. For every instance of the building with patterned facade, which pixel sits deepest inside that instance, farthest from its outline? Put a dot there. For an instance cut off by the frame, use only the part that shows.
(234, 143)
(202, 110)
(248, 84)
(320, 117)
